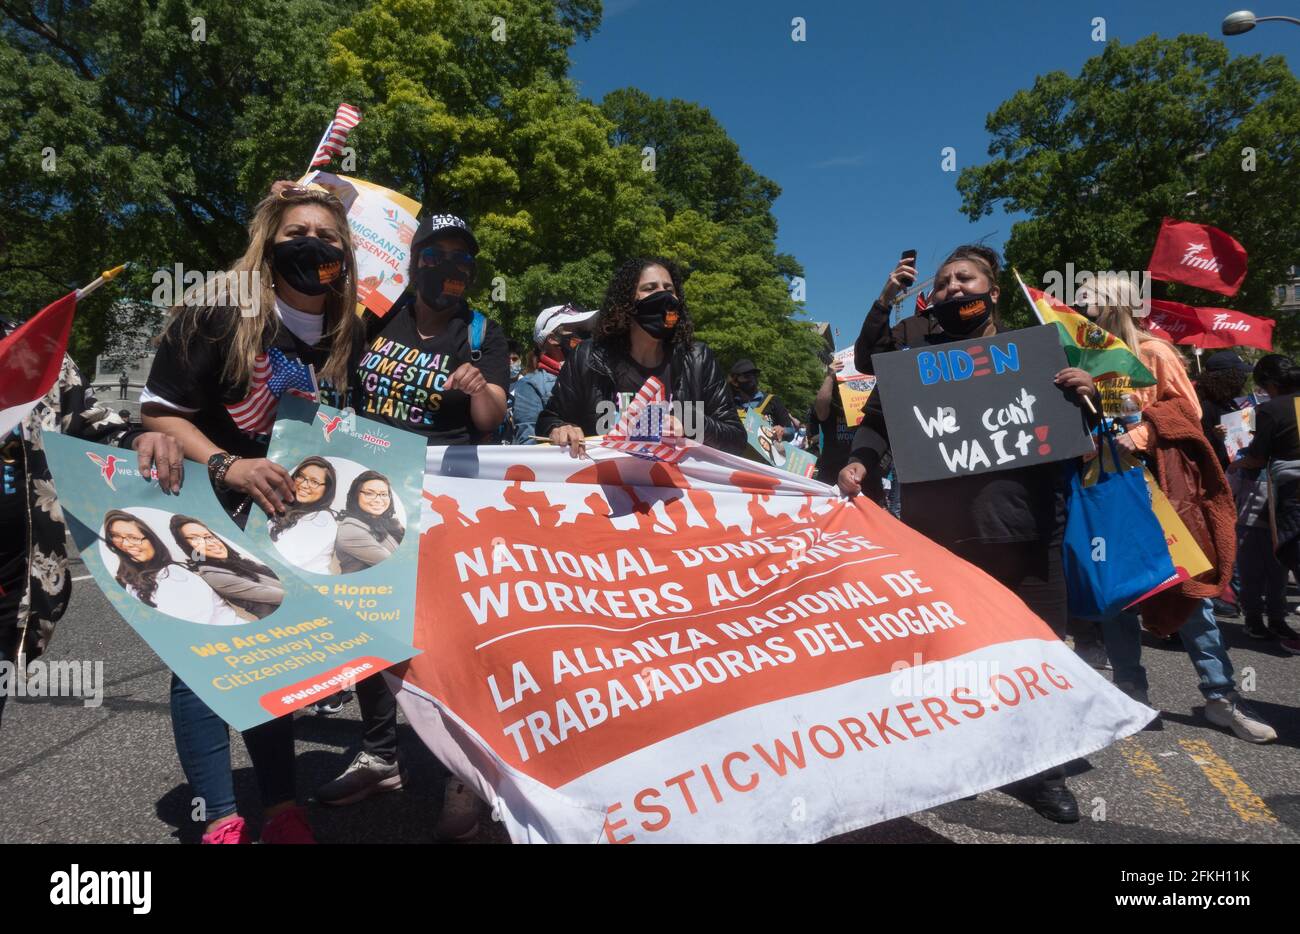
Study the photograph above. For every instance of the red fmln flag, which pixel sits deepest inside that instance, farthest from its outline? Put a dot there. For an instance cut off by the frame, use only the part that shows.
(1198, 255)
(1208, 328)
(1174, 322)
(336, 134)
(30, 360)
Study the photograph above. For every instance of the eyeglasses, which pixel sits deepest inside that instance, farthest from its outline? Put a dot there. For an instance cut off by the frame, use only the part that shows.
(202, 539)
(374, 494)
(131, 540)
(309, 483)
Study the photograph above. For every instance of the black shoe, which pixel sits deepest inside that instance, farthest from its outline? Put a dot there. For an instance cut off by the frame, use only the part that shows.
(1224, 608)
(1055, 802)
(1256, 629)
(1279, 628)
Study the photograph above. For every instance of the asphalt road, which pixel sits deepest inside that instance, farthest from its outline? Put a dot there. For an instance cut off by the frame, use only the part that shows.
(69, 773)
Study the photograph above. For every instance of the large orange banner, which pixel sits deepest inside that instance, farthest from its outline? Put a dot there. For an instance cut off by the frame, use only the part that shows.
(626, 650)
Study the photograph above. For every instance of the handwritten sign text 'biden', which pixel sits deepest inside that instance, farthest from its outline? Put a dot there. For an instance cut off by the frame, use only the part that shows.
(979, 405)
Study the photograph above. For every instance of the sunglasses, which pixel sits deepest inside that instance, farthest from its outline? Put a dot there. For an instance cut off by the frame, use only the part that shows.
(431, 256)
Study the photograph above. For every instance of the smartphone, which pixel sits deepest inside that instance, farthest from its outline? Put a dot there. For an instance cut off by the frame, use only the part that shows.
(908, 255)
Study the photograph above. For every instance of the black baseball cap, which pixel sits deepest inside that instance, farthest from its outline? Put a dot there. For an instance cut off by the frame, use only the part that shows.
(743, 366)
(1225, 360)
(434, 224)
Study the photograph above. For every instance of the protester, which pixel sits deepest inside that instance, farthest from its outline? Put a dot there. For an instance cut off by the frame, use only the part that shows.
(1008, 523)
(747, 396)
(877, 336)
(304, 536)
(457, 397)
(559, 329)
(1276, 449)
(368, 530)
(34, 581)
(215, 383)
(455, 391)
(1222, 380)
(1170, 416)
(516, 360)
(644, 329)
(244, 583)
(835, 437)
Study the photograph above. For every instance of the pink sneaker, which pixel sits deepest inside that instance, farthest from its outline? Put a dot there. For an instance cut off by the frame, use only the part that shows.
(289, 826)
(231, 831)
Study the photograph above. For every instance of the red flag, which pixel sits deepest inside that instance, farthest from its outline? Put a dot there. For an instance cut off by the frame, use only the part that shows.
(1199, 255)
(921, 303)
(30, 360)
(1209, 328)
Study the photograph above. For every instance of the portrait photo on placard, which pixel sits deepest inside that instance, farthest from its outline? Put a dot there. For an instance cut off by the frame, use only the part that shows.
(344, 518)
(177, 565)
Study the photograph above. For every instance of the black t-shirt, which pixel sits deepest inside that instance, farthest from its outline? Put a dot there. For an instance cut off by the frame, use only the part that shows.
(236, 419)
(1276, 433)
(630, 376)
(836, 443)
(401, 375)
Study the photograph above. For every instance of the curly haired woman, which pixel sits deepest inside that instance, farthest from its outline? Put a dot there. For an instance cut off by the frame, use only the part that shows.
(644, 329)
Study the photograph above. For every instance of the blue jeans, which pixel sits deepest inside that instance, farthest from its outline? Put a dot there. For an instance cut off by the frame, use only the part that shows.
(203, 746)
(1201, 638)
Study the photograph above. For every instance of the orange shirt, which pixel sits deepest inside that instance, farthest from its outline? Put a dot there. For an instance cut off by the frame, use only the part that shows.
(1172, 382)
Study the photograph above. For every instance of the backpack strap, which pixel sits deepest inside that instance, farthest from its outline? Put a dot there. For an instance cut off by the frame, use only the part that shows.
(477, 328)
(766, 400)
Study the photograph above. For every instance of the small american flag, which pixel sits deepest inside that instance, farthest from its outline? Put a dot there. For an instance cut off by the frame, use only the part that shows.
(921, 303)
(640, 412)
(273, 375)
(336, 134)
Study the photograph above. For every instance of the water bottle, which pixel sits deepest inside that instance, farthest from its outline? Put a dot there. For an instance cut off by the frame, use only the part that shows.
(1130, 412)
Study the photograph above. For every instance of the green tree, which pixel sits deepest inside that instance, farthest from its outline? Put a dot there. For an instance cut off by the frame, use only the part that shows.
(721, 227)
(1163, 127)
(139, 131)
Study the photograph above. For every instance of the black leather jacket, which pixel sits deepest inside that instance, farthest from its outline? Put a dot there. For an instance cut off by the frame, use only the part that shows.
(587, 380)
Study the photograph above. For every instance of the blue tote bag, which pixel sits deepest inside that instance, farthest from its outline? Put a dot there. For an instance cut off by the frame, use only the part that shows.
(1114, 550)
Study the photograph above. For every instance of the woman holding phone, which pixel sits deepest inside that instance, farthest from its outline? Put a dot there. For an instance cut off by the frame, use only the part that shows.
(1009, 523)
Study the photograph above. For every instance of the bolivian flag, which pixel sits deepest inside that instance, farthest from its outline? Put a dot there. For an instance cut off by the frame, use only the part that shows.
(1087, 344)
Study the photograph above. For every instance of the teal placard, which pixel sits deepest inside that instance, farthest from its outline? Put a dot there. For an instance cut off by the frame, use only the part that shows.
(234, 623)
(780, 454)
(358, 541)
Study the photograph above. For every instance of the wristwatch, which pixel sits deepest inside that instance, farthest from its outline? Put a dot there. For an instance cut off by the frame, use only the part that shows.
(218, 467)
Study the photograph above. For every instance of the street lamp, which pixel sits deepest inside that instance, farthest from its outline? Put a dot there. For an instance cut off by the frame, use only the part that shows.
(1234, 24)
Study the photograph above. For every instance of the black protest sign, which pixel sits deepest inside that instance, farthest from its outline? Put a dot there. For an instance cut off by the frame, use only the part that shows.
(979, 405)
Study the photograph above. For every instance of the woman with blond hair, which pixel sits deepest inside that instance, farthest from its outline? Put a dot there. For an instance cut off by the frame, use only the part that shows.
(287, 324)
(1115, 304)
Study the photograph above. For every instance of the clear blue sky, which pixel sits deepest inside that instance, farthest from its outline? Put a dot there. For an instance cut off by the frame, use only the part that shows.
(851, 122)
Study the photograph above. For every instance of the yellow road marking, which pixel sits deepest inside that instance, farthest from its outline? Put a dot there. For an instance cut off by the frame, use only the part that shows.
(1248, 805)
(1155, 784)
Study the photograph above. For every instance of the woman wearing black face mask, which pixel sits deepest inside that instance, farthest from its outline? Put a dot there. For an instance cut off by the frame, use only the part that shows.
(285, 321)
(432, 365)
(643, 330)
(1009, 523)
(435, 367)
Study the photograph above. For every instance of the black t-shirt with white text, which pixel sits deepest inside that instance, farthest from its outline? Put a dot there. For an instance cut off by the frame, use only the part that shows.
(401, 376)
